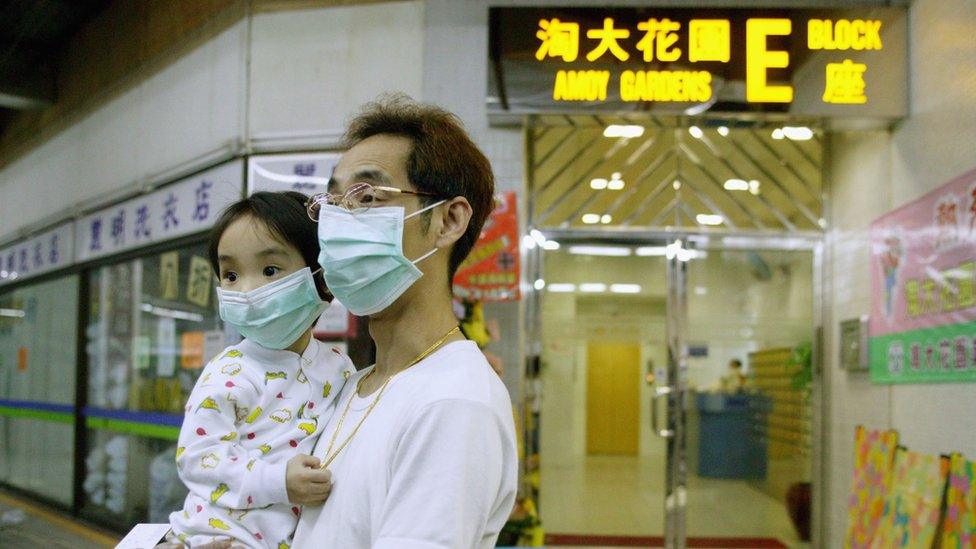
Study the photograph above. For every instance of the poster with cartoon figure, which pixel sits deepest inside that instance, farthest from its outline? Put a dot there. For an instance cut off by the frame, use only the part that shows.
(923, 288)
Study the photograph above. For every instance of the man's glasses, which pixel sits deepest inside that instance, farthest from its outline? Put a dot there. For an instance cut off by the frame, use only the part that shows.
(358, 198)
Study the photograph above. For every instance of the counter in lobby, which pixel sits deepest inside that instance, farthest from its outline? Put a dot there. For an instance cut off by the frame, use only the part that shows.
(731, 435)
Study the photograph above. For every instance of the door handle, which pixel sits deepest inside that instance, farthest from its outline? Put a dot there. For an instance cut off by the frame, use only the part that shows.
(658, 393)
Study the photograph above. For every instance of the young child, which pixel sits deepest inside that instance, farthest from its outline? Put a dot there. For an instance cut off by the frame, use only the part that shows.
(257, 409)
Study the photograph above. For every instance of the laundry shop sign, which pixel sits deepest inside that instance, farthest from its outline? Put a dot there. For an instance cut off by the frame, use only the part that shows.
(845, 63)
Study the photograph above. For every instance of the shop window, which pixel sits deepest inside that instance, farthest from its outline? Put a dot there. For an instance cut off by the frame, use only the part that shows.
(38, 332)
(152, 326)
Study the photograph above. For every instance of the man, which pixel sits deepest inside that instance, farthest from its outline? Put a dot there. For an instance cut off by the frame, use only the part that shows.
(422, 445)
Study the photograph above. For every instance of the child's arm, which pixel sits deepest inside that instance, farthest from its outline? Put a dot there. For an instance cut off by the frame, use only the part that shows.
(214, 465)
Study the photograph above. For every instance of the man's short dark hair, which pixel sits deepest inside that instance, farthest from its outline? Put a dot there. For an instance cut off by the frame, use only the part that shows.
(443, 160)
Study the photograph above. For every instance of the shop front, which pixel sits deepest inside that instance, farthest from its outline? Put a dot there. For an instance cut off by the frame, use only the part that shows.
(677, 196)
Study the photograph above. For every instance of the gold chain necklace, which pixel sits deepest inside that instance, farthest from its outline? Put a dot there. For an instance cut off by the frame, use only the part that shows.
(330, 455)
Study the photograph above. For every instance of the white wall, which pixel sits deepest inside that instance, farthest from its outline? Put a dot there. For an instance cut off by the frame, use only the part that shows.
(312, 69)
(191, 107)
(873, 173)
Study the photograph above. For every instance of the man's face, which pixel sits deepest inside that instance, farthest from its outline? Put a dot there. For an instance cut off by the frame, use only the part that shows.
(381, 160)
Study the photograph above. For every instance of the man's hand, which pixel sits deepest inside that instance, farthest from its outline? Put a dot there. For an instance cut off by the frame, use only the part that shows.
(305, 481)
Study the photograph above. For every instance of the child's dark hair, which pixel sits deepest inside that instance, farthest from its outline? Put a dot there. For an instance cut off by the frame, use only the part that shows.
(284, 214)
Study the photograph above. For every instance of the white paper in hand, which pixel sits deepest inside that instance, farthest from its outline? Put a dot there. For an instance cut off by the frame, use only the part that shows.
(143, 536)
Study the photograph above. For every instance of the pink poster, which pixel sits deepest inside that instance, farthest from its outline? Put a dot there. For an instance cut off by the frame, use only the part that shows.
(923, 304)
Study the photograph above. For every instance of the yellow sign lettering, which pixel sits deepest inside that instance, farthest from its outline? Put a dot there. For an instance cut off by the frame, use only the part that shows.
(708, 40)
(844, 34)
(912, 301)
(965, 283)
(659, 38)
(759, 60)
(559, 39)
(665, 86)
(608, 37)
(845, 83)
(581, 86)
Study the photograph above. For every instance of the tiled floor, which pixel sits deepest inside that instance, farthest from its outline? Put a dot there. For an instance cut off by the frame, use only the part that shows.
(610, 495)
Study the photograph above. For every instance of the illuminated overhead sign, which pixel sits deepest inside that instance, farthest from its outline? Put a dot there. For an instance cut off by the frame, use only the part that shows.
(810, 62)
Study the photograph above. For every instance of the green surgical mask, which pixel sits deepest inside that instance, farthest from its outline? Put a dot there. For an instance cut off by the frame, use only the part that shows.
(362, 256)
(276, 314)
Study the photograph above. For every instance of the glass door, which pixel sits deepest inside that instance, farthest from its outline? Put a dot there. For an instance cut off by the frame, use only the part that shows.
(743, 330)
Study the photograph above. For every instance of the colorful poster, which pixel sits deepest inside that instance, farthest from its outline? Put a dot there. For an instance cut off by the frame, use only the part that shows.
(923, 305)
(913, 505)
(959, 530)
(874, 453)
(491, 271)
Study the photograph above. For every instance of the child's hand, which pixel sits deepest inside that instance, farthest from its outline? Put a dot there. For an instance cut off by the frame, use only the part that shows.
(305, 481)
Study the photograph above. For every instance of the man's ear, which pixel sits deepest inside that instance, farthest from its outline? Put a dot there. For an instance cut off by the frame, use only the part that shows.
(455, 214)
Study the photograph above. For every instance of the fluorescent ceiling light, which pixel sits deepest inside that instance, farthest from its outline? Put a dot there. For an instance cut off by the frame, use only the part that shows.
(170, 313)
(615, 183)
(798, 133)
(598, 184)
(606, 219)
(593, 287)
(708, 219)
(562, 288)
(591, 219)
(737, 185)
(696, 132)
(778, 134)
(616, 130)
(550, 245)
(625, 288)
(651, 251)
(754, 186)
(723, 131)
(528, 242)
(13, 313)
(609, 251)
(676, 185)
(537, 235)
(701, 290)
(539, 284)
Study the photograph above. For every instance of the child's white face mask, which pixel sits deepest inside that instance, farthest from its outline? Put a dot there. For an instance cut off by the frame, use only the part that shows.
(276, 314)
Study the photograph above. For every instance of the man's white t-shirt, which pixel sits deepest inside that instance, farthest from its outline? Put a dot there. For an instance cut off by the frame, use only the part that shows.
(434, 465)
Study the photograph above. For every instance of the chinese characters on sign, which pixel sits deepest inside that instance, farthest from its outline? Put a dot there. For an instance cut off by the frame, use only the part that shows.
(923, 274)
(180, 209)
(48, 251)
